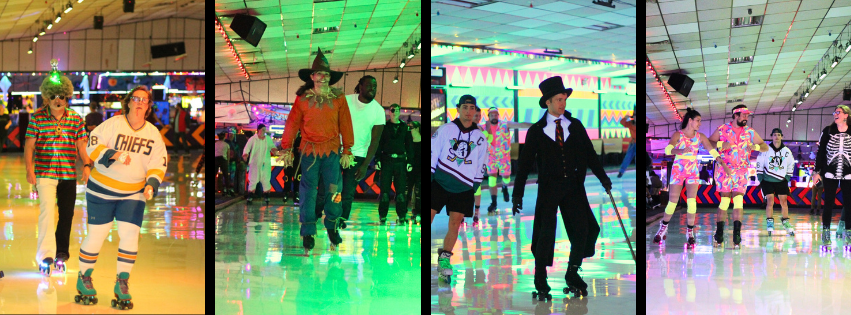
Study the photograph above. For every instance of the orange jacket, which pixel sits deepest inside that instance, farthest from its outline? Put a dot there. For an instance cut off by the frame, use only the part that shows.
(630, 125)
(321, 126)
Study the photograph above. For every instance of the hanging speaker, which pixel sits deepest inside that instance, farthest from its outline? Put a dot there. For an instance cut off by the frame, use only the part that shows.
(846, 95)
(250, 28)
(681, 82)
(98, 22)
(128, 6)
(167, 50)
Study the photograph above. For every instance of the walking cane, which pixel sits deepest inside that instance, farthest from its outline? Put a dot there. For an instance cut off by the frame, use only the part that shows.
(622, 228)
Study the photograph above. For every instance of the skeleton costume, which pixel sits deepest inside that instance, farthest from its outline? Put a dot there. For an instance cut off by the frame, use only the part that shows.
(833, 164)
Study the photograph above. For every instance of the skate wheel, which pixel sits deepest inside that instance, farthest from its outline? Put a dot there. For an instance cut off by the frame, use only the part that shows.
(76, 299)
(1, 275)
(113, 303)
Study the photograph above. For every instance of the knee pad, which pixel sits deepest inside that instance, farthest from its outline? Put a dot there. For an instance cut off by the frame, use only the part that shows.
(725, 203)
(491, 180)
(385, 197)
(506, 180)
(692, 205)
(737, 202)
(670, 208)
(478, 192)
(400, 198)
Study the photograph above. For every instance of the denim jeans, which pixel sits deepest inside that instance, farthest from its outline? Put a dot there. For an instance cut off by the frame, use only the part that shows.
(630, 154)
(312, 167)
(349, 187)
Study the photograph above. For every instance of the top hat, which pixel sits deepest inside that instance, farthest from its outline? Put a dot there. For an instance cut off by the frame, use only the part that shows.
(320, 64)
(551, 87)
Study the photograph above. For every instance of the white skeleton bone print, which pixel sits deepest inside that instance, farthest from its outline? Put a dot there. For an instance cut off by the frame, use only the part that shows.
(837, 154)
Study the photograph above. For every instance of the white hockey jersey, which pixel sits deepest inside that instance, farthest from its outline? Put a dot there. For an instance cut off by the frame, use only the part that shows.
(458, 156)
(776, 162)
(111, 179)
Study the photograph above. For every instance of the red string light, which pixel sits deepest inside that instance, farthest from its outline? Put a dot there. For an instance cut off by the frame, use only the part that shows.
(231, 48)
(662, 87)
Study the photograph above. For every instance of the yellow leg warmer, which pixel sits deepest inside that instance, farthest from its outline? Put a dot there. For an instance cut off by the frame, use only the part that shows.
(725, 203)
(692, 205)
(670, 208)
(491, 181)
(479, 191)
(737, 202)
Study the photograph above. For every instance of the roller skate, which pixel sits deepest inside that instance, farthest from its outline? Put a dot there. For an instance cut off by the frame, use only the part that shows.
(505, 193)
(248, 200)
(341, 223)
(444, 268)
(476, 218)
(825, 239)
(662, 234)
(122, 297)
(402, 221)
(60, 262)
(492, 209)
(770, 222)
(85, 291)
(335, 239)
(575, 284)
(44, 267)
(788, 226)
(719, 235)
(690, 237)
(308, 244)
(541, 285)
(840, 230)
(737, 234)
(415, 220)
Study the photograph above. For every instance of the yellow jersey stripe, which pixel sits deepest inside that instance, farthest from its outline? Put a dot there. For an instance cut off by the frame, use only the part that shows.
(156, 172)
(96, 152)
(111, 183)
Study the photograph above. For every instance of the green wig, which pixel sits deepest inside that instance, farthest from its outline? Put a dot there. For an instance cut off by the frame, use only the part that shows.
(49, 87)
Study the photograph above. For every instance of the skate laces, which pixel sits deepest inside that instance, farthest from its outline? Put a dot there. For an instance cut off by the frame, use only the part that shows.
(87, 281)
(122, 285)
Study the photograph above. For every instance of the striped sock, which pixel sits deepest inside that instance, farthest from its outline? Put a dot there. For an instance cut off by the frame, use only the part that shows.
(126, 259)
(87, 260)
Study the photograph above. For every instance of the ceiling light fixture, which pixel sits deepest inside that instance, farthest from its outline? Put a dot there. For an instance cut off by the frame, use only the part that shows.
(58, 17)
(49, 26)
(35, 39)
(396, 79)
(835, 62)
(41, 33)
(30, 52)
(823, 74)
(69, 7)
(789, 120)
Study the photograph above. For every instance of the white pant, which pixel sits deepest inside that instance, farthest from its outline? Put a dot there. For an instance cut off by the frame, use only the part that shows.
(46, 218)
(260, 174)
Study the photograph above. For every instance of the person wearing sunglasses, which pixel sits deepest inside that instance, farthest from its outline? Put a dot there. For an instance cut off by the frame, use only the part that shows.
(54, 136)
(832, 167)
(129, 165)
(394, 151)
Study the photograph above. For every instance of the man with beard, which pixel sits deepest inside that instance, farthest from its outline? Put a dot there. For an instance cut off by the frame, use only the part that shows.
(499, 157)
(735, 141)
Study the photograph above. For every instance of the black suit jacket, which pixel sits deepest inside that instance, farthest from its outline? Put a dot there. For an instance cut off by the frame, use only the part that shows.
(544, 151)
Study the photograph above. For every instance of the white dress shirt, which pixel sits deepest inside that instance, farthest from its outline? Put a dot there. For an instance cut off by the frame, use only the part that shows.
(550, 129)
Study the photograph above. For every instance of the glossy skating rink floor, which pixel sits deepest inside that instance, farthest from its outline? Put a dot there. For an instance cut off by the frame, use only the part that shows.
(261, 267)
(168, 276)
(775, 274)
(494, 268)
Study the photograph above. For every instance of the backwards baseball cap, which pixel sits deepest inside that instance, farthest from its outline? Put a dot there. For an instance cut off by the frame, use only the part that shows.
(776, 130)
(467, 99)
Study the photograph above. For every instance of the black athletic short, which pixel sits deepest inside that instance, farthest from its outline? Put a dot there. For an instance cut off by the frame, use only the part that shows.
(454, 202)
(769, 188)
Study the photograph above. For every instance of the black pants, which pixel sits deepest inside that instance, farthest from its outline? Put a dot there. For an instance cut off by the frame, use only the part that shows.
(293, 177)
(65, 195)
(239, 177)
(2, 137)
(348, 192)
(393, 171)
(579, 222)
(414, 187)
(222, 164)
(830, 196)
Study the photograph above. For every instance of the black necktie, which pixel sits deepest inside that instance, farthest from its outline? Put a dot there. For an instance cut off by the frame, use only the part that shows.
(559, 133)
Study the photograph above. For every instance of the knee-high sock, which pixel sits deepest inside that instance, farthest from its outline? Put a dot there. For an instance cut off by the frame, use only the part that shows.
(128, 245)
(91, 245)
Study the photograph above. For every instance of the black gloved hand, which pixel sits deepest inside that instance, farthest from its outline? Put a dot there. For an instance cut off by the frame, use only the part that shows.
(607, 183)
(518, 205)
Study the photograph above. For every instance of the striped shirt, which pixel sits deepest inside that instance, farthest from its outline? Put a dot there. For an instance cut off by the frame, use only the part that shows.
(55, 143)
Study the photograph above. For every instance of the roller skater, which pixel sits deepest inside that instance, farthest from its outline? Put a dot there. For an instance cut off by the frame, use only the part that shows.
(774, 170)
(832, 169)
(257, 149)
(685, 144)
(444, 268)
(44, 266)
(847, 241)
(575, 284)
(86, 293)
(122, 297)
(735, 141)
(458, 156)
(498, 133)
(543, 289)
(395, 154)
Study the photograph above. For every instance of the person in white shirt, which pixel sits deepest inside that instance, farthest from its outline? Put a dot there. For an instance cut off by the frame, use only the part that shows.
(260, 165)
(774, 170)
(222, 157)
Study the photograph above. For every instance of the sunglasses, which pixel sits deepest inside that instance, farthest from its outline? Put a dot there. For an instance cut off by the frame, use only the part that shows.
(61, 97)
(139, 99)
(393, 110)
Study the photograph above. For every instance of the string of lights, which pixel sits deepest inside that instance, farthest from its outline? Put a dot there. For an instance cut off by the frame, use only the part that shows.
(664, 90)
(231, 48)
